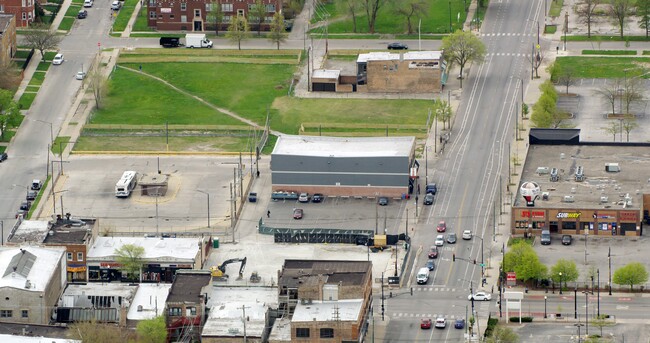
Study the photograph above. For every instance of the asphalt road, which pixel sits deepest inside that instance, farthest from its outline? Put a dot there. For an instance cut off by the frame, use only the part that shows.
(469, 170)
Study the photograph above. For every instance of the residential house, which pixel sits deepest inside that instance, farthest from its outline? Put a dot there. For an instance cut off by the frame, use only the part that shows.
(31, 281)
(23, 10)
(7, 38)
(194, 16)
(185, 311)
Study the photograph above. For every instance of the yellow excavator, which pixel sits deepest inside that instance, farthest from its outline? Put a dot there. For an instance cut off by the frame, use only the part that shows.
(220, 271)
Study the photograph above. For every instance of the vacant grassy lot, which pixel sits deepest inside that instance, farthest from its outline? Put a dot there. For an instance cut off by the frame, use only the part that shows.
(605, 67)
(609, 52)
(437, 19)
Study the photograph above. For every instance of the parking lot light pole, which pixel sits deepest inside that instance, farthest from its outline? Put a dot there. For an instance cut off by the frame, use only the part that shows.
(560, 273)
(208, 196)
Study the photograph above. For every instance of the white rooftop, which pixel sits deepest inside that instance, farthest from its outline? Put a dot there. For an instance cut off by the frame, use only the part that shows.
(30, 231)
(411, 55)
(36, 264)
(97, 288)
(322, 311)
(226, 310)
(326, 74)
(281, 331)
(166, 249)
(152, 298)
(324, 146)
(27, 339)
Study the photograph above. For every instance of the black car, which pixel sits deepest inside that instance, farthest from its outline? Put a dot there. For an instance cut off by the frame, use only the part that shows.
(397, 46)
(567, 239)
(317, 197)
(82, 14)
(432, 188)
(451, 238)
(25, 205)
(383, 201)
(31, 195)
(428, 199)
(252, 197)
(3, 156)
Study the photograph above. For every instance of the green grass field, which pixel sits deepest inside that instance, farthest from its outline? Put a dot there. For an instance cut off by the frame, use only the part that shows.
(124, 15)
(437, 20)
(610, 38)
(609, 52)
(66, 23)
(37, 78)
(72, 11)
(140, 24)
(556, 8)
(605, 67)
(26, 100)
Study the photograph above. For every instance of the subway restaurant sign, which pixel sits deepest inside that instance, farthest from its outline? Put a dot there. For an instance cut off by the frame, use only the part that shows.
(568, 215)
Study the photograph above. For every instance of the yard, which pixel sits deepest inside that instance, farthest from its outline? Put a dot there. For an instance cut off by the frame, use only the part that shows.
(605, 67)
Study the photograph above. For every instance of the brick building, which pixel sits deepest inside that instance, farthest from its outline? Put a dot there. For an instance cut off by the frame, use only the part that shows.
(23, 10)
(413, 72)
(185, 308)
(7, 37)
(194, 15)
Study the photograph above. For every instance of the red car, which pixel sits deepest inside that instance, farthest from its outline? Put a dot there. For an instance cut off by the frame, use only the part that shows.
(433, 252)
(442, 226)
(297, 213)
(425, 323)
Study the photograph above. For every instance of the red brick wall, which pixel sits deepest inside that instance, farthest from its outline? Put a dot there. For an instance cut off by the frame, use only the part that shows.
(16, 8)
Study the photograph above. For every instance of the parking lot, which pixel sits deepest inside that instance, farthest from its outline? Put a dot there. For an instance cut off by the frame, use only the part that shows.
(87, 189)
(339, 213)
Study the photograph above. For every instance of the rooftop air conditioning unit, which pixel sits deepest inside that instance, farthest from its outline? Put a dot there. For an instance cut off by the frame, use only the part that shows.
(580, 174)
(545, 195)
(543, 170)
(569, 198)
(612, 167)
(604, 199)
(554, 175)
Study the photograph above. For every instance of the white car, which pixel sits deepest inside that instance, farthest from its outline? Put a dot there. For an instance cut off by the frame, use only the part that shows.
(440, 240)
(80, 75)
(467, 234)
(480, 296)
(58, 59)
(88, 3)
(441, 323)
(303, 197)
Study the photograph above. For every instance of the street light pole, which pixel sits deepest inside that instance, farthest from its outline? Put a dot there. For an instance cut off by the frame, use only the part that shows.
(575, 302)
(545, 297)
(586, 312)
(609, 260)
(598, 285)
(208, 196)
(560, 273)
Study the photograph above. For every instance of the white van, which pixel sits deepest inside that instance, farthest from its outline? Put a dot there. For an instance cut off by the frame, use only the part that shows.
(422, 276)
(88, 3)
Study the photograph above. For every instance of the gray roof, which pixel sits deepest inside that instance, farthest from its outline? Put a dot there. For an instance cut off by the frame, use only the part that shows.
(343, 146)
(188, 284)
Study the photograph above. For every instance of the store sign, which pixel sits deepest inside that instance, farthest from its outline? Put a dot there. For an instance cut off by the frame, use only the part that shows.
(532, 214)
(568, 215)
(165, 10)
(109, 265)
(629, 216)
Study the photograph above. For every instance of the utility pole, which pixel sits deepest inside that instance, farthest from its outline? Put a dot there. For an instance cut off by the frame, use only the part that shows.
(243, 309)
(609, 261)
(382, 296)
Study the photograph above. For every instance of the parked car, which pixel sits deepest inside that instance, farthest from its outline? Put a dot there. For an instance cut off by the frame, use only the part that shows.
(567, 239)
(428, 199)
(318, 197)
(116, 5)
(31, 195)
(441, 323)
(21, 213)
(431, 188)
(3, 156)
(459, 324)
(480, 296)
(297, 213)
(303, 197)
(467, 234)
(25, 205)
(433, 252)
(397, 46)
(36, 184)
(440, 240)
(425, 323)
(383, 201)
(442, 226)
(82, 14)
(88, 3)
(58, 59)
(451, 238)
(252, 197)
(431, 265)
(80, 75)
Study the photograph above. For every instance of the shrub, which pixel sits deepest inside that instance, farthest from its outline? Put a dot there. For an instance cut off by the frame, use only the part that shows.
(523, 319)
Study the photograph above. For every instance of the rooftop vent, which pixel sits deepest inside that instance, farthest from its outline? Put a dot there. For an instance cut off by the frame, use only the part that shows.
(612, 167)
(554, 175)
(543, 170)
(604, 199)
(569, 198)
(545, 195)
(580, 174)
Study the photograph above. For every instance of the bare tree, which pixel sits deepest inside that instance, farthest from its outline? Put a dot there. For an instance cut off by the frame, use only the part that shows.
(277, 34)
(619, 10)
(629, 124)
(215, 15)
(585, 10)
(611, 129)
(372, 7)
(609, 93)
(238, 30)
(40, 37)
(566, 77)
(9, 75)
(410, 8)
(97, 85)
(257, 14)
(352, 7)
(536, 59)
(631, 92)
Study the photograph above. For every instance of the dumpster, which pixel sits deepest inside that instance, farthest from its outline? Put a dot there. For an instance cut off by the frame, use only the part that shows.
(215, 243)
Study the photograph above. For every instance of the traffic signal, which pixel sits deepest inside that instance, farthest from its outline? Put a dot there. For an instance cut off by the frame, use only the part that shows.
(453, 257)
(474, 261)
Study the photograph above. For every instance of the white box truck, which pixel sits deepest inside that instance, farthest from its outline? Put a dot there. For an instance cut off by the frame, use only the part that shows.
(197, 40)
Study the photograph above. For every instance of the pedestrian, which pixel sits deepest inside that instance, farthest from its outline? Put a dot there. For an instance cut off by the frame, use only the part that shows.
(268, 214)
(258, 174)
(141, 67)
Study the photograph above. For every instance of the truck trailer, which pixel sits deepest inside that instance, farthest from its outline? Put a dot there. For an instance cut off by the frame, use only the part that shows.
(197, 40)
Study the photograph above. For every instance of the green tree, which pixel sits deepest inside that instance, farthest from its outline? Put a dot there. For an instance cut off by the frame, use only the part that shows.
(215, 15)
(40, 37)
(152, 330)
(523, 260)
(256, 14)
(9, 111)
(545, 111)
(130, 258)
(619, 10)
(566, 77)
(631, 274)
(277, 34)
(643, 11)
(612, 129)
(372, 7)
(567, 268)
(442, 111)
(238, 30)
(461, 47)
(502, 334)
(411, 8)
(586, 11)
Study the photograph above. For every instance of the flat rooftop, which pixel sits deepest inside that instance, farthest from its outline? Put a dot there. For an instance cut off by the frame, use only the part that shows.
(79, 295)
(322, 146)
(28, 267)
(27, 339)
(188, 284)
(226, 310)
(305, 272)
(149, 301)
(154, 248)
(29, 231)
(322, 311)
(407, 56)
(41, 231)
(632, 180)
(326, 74)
